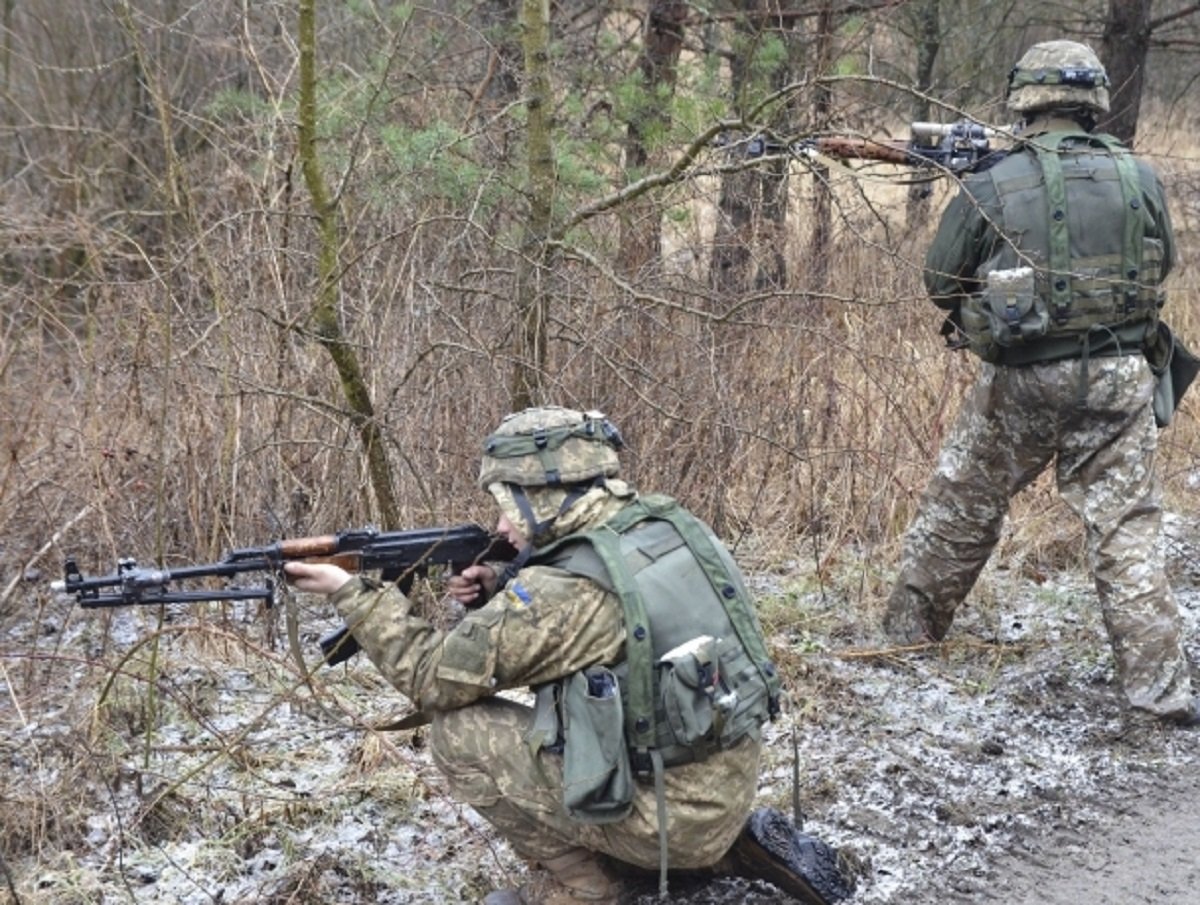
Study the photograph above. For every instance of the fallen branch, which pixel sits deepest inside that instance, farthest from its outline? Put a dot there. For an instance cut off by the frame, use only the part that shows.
(964, 643)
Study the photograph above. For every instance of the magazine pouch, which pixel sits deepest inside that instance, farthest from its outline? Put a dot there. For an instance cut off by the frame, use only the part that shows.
(597, 777)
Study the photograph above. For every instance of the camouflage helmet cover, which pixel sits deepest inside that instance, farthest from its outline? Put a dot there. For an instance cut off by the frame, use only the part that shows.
(1058, 74)
(550, 446)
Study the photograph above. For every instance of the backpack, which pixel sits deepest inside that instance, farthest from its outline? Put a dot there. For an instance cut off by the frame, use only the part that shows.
(696, 676)
(1065, 306)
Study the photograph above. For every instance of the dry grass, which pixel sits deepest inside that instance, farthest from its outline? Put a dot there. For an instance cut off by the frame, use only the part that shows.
(145, 423)
(161, 398)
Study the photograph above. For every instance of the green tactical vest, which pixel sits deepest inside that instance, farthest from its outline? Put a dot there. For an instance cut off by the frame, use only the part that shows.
(1058, 296)
(696, 677)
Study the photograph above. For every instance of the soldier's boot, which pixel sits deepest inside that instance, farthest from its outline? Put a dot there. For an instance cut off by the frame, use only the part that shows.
(770, 848)
(578, 876)
(909, 618)
(504, 897)
(1189, 719)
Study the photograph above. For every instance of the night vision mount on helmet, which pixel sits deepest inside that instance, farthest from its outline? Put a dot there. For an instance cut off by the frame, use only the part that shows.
(551, 446)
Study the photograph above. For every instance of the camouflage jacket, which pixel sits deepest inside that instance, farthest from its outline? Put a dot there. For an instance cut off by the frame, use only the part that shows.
(547, 624)
(544, 625)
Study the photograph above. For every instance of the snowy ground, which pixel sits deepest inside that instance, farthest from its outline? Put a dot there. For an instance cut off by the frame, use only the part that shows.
(193, 763)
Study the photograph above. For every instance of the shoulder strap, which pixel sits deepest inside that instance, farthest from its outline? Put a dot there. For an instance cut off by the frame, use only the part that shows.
(639, 643)
(607, 555)
(1135, 223)
(597, 555)
(1047, 148)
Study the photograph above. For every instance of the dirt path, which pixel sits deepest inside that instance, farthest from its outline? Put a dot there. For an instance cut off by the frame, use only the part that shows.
(1146, 853)
(1001, 767)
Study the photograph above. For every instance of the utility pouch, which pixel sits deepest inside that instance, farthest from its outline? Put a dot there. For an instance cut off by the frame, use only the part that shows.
(688, 677)
(545, 733)
(597, 777)
(1014, 311)
(1006, 312)
(1174, 367)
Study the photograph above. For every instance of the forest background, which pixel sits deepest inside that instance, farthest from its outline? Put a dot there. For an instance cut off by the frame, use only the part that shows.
(273, 269)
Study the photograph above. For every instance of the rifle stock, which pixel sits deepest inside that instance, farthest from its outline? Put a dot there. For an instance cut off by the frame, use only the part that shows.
(845, 148)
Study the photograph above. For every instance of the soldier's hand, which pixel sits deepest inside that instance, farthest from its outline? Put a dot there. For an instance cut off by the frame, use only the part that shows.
(315, 578)
(473, 586)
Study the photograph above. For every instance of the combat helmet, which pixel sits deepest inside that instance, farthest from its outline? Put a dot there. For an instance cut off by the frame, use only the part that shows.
(1058, 74)
(550, 446)
(538, 463)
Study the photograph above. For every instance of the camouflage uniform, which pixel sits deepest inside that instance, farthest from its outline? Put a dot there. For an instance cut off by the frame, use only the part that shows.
(1092, 418)
(544, 625)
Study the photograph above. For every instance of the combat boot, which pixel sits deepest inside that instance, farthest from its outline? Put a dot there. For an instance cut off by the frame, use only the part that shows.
(1137, 721)
(1186, 719)
(578, 876)
(909, 619)
(770, 848)
(504, 897)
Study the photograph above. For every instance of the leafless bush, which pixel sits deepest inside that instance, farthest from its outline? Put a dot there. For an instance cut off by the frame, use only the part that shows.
(162, 395)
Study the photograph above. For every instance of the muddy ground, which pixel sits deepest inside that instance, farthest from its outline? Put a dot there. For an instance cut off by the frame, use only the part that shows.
(199, 767)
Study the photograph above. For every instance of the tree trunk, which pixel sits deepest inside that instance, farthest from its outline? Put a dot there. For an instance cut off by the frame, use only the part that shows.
(9, 7)
(1123, 50)
(325, 306)
(751, 212)
(532, 294)
(928, 38)
(822, 203)
(499, 84)
(641, 233)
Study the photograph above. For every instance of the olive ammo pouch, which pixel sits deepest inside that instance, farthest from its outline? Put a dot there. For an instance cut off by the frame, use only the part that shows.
(582, 717)
(688, 682)
(1174, 367)
(1008, 312)
(597, 779)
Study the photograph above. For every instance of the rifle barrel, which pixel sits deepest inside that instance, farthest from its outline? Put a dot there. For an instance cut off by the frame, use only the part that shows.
(355, 550)
(400, 555)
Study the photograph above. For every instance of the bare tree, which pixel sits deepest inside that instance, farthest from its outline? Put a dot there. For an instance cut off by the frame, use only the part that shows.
(662, 42)
(749, 241)
(532, 293)
(1130, 31)
(927, 34)
(1124, 46)
(822, 202)
(325, 305)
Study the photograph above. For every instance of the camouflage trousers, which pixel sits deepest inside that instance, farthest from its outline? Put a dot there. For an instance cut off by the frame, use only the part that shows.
(482, 751)
(1015, 422)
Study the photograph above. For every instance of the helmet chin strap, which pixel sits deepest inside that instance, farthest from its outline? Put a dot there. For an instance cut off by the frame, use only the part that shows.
(537, 529)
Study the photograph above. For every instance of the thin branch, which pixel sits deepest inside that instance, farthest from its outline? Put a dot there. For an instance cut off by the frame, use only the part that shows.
(1173, 17)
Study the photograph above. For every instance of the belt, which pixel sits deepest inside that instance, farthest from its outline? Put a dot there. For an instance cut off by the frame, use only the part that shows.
(1127, 339)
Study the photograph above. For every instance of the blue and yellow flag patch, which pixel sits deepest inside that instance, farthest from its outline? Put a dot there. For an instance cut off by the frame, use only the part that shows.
(517, 596)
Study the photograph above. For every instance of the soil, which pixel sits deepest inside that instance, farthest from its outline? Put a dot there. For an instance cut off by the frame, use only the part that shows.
(1144, 851)
(996, 767)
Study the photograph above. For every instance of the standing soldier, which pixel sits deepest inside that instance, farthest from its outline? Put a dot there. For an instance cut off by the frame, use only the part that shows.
(631, 623)
(1050, 263)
